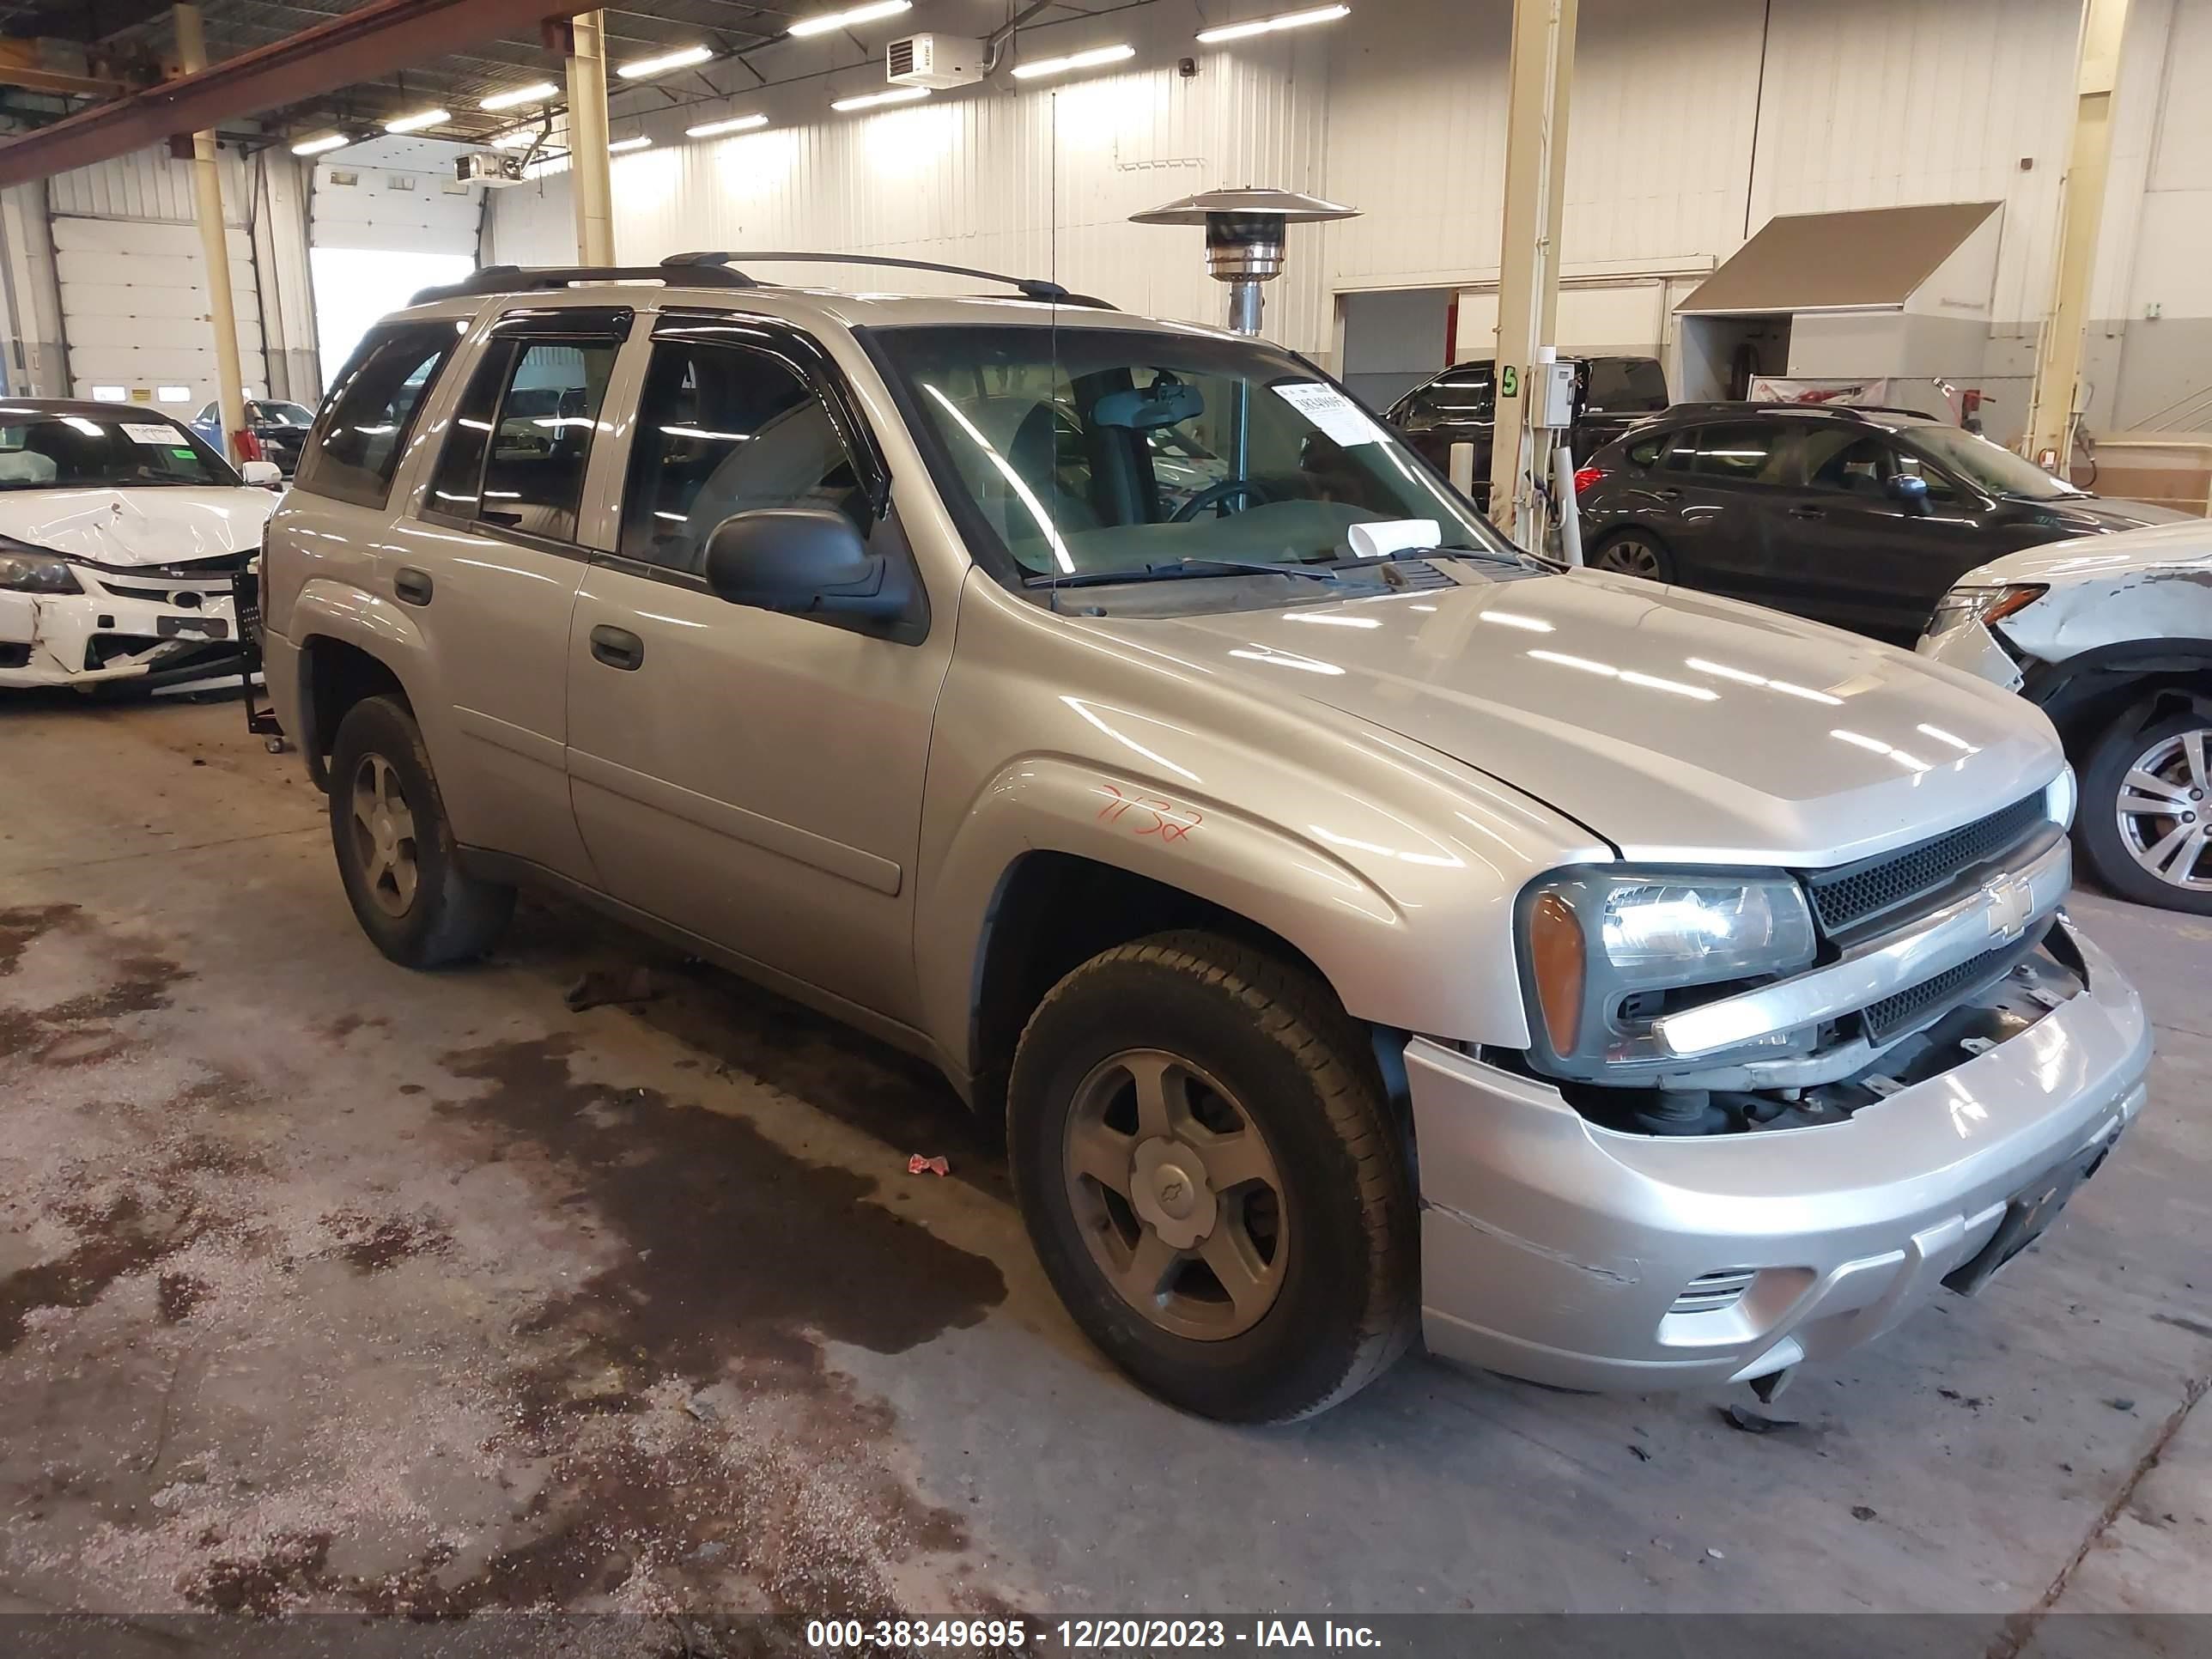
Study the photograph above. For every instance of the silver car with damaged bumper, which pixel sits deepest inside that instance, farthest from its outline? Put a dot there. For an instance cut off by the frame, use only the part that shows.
(1366, 932)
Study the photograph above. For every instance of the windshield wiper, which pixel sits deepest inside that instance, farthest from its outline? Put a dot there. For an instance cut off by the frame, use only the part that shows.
(1173, 570)
(1399, 554)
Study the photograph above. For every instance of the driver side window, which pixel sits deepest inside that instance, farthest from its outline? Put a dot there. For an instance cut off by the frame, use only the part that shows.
(724, 429)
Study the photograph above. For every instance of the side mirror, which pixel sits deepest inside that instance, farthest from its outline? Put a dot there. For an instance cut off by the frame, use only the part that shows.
(796, 560)
(1909, 490)
(266, 475)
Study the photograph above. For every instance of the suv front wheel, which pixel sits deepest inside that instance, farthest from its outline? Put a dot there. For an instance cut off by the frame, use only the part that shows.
(1211, 1176)
(395, 849)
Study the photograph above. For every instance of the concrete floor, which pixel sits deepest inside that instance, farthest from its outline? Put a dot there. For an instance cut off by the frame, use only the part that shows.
(323, 1284)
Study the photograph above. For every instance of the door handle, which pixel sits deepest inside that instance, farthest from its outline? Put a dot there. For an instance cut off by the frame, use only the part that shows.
(410, 586)
(617, 647)
(1806, 512)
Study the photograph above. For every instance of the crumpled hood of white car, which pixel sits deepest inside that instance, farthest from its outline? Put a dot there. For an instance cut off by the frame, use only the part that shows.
(1679, 726)
(160, 524)
(2186, 545)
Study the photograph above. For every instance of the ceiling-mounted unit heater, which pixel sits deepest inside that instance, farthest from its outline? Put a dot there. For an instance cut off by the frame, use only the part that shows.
(933, 60)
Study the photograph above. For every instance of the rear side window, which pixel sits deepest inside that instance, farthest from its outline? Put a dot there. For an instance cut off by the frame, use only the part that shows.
(521, 438)
(356, 449)
(722, 429)
(1625, 383)
(1645, 452)
(1740, 452)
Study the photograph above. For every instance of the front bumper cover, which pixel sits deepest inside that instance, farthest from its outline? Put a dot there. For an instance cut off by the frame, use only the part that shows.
(139, 634)
(1555, 1249)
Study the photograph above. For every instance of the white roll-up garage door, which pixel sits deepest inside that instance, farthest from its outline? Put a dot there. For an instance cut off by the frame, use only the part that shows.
(134, 293)
(134, 302)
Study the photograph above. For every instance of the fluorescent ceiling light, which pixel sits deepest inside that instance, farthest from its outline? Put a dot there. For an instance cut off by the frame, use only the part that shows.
(682, 59)
(515, 139)
(1074, 60)
(1289, 20)
(530, 94)
(735, 124)
(317, 146)
(416, 122)
(876, 99)
(852, 15)
(621, 144)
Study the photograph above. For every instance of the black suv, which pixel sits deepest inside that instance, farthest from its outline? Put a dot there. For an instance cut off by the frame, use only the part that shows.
(1460, 406)
(1860, 517)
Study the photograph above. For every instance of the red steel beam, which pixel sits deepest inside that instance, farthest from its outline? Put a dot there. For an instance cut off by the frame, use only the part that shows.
(379, 38)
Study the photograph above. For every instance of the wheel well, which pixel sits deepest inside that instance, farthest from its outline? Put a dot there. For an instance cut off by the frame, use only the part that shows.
(334, 676)
(2085, 710)
(1055, 911)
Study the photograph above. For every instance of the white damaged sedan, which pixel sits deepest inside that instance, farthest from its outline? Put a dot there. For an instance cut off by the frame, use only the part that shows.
(120, 529)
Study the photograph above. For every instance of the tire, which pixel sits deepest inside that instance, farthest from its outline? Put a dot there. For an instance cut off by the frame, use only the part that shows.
(436, 915)
(1634, 553)
(1325, 1241)
(2129, 848)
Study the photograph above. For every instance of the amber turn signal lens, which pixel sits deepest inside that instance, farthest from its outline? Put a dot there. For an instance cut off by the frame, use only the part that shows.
(2015, 598)
(1557, 953)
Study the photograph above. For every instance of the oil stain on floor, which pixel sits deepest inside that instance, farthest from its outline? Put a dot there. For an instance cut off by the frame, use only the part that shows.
(491, 1334)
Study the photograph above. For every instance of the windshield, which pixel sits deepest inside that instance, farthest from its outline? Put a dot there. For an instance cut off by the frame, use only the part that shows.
(1082, 451)
(79, 451)
(1983, 464)
(269, 413)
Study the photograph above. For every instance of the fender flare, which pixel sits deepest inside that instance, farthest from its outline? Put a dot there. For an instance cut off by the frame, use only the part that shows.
(1351, 929)
(328, 608)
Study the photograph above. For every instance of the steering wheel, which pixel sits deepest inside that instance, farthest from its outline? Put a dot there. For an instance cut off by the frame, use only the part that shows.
(1214, 494)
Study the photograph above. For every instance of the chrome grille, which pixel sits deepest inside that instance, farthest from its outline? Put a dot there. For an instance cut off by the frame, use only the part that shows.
(1710, 1292)
(1848, 898)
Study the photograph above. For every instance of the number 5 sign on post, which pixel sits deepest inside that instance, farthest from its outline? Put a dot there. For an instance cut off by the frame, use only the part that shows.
(1509, 381)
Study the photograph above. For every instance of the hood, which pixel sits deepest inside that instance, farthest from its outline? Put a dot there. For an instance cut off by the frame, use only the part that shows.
(1681, 727)
(163, 524)
(2180, 544)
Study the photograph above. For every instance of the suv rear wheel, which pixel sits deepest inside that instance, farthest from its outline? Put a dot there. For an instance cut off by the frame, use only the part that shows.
(1207, 1166)
(395, 849)
(2146, 811)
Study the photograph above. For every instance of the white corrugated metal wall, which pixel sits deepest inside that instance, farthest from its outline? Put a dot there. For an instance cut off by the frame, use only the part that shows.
(133, 296)
(1040, 180)
(1694, 122)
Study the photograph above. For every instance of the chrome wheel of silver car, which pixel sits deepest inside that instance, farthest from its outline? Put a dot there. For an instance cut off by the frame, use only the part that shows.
(1633, 556)
(2162, 810)
(384, 836)
(1178, 1194)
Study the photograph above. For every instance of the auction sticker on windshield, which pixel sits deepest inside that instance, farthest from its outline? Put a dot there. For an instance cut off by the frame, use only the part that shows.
(161, 437)
(1331, 411)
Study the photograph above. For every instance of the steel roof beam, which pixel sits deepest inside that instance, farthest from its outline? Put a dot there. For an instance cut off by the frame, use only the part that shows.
(373, 40)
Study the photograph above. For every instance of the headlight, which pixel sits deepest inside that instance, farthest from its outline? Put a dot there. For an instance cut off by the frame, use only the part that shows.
(2060, 797)
(31, 573)
(1962, 605)
(1608, 951)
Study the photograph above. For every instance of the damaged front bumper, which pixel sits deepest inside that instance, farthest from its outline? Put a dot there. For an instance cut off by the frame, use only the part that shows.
(122, 626)
(1971, 647)
(1558, 1250)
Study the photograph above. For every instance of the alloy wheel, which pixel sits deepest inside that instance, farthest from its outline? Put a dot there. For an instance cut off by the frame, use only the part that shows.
(384, 836)
(1178, 1194)
(2162, 811)
(1631, 556)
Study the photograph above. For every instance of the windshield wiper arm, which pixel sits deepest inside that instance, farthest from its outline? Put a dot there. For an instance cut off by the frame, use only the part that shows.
(1398, 555)
(1173, 568)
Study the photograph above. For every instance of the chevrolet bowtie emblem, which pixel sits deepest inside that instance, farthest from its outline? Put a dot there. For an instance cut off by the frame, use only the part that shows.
(2012, 903)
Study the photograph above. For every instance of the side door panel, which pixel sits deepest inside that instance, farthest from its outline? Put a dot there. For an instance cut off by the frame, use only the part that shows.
(497, 545)
(1710, 506)
(752, 777)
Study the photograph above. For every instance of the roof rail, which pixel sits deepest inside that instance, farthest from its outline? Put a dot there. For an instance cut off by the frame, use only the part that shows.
(519, 279)
(1788, 406)
(1029, 287)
